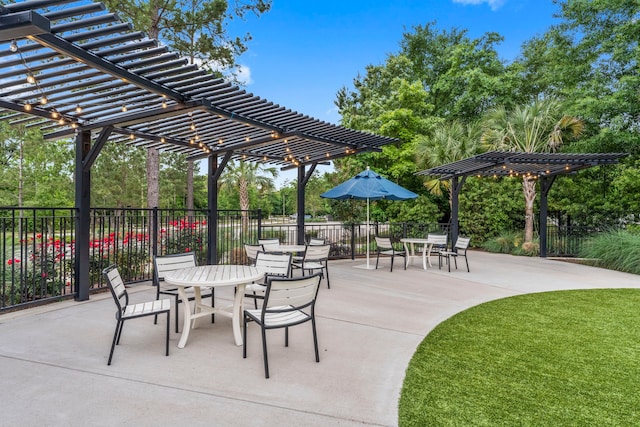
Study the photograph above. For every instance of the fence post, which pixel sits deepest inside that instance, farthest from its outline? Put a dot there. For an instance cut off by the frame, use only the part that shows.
(353, 241)
(259, 223)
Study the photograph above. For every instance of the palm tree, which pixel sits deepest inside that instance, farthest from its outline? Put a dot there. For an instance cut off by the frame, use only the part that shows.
(239, 175)
(451, 141)
(533, 128)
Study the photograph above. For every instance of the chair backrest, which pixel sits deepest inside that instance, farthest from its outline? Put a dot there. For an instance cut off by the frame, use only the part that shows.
(117, 288)
(317, 253)
(288, 294)
(439, 240)
(462, 243)
(269, 244)
(274, 264)
(167, 263)
(384, 242)
(252, 252)
(315, 241)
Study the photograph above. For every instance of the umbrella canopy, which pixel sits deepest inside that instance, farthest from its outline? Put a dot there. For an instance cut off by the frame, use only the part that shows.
(368, 185)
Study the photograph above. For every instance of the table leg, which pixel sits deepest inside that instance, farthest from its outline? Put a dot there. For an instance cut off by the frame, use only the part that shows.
(186, 327)
(237, 315)
(424, 257)
(429, 254)
(197, 306)
(407, 255)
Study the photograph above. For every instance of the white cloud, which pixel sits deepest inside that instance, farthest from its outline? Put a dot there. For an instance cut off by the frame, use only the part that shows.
(493, 4)
(243, 74)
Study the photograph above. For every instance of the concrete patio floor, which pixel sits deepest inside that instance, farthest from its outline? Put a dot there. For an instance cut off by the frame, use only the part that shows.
(53, 359)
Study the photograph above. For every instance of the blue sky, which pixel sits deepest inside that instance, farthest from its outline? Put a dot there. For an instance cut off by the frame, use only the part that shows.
(304, 51)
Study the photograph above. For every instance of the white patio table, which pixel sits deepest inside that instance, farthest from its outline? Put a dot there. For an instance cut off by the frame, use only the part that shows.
(212, 276)
(410, 250)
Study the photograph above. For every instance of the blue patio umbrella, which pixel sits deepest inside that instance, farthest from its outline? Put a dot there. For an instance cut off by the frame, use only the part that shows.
(368, 185)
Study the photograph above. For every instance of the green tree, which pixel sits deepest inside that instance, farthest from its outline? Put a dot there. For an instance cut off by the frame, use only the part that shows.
(242, 176)
(590, 60)
(536, 127)
(449, 142)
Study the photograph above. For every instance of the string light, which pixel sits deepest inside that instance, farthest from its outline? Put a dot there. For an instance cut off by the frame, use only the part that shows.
(13, 47)
(162, 140)
(78, 109)
(27, 106)
(44, 100)
(124, 108)
(30, 78)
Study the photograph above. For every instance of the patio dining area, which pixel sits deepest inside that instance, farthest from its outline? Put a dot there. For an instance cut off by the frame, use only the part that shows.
(54, 369)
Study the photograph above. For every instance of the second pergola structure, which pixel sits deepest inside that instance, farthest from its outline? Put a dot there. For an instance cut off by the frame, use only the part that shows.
(543, 167)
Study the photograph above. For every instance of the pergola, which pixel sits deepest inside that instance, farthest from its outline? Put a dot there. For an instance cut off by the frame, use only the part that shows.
(73, 69)
(543, 167)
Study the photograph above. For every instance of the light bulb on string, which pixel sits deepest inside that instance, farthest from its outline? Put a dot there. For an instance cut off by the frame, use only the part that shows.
(13, 47)
(31, 78)
(27, 107)
(78, 109)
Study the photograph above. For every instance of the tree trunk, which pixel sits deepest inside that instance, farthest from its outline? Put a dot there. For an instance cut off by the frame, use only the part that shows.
(190, 184)
(529, 189)
(153, 170)
(244, 203)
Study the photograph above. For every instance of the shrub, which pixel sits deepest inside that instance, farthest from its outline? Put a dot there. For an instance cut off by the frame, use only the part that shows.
(505, 243)
(616, 250)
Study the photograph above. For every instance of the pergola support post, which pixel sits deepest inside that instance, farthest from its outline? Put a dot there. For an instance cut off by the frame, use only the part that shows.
(545, 186)
(83, 216)
(215, 170)
(303, 178)
(456, 186)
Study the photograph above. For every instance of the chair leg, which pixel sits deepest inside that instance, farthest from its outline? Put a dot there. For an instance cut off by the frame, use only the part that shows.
(449, 262)
(286, 336)
(177, 304)
(455, 260)
(264, 351)
(116, 337)
(244, 337)
(392, 257)
(315, 337)
(467, 261)
(121, 324)
(168, 323)
(326, 268)
(377, 259)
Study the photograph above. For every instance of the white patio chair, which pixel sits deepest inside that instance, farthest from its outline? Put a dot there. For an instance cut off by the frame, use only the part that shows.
(274, 265)
(251, 252)
(167, 263)
(460, 250)
(384, 247)
(269, 245)
(287, 302)
(128, 311)
(440, 243)
(315, 258)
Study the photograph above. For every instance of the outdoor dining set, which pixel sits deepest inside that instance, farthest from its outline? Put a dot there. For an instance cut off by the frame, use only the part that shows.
(279, 298)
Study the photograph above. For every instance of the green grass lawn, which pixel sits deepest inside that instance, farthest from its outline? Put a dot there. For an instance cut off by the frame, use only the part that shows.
(567, 358)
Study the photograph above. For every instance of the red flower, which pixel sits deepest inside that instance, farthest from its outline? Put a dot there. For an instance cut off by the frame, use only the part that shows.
(11, 261)
(39, 235)
(187, 249)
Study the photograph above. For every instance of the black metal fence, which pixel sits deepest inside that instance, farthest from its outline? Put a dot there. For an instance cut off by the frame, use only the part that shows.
(37, 247)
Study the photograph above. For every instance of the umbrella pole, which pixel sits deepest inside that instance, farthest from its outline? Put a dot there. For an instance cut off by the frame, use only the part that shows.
(367, 233)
